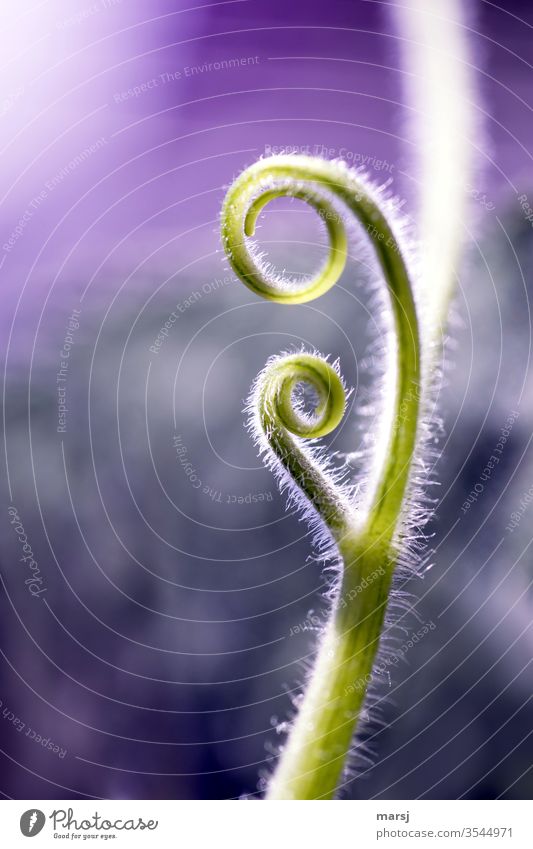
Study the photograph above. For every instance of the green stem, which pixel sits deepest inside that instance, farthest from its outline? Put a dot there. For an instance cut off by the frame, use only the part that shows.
(320, 739)
(367, 540)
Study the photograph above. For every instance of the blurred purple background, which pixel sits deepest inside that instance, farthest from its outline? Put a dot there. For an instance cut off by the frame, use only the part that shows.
(159, 655)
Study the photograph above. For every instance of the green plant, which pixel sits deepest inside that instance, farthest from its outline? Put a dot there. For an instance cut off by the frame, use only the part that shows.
(369, 536)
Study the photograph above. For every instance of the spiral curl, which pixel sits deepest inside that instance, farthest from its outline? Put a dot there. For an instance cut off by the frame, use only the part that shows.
(279, 383)
(241, 209)
(280, 425)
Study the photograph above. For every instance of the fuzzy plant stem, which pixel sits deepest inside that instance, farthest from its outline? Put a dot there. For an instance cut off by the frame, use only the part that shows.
(366, 538)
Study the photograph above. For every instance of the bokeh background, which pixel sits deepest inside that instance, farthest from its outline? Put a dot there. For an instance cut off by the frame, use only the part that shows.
(178, 602)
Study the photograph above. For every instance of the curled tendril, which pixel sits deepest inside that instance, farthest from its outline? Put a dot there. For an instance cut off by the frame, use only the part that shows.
(278, 402)
(280, 418)
(368, 544)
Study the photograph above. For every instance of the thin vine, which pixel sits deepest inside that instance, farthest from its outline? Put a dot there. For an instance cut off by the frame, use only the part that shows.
(368, 538)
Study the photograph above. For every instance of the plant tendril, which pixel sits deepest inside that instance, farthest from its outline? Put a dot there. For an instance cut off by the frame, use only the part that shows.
(367, 538)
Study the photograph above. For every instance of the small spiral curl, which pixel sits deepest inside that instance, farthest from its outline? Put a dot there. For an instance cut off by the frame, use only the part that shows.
(279, 382)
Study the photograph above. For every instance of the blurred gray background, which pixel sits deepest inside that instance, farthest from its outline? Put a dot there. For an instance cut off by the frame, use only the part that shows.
(180, 599)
